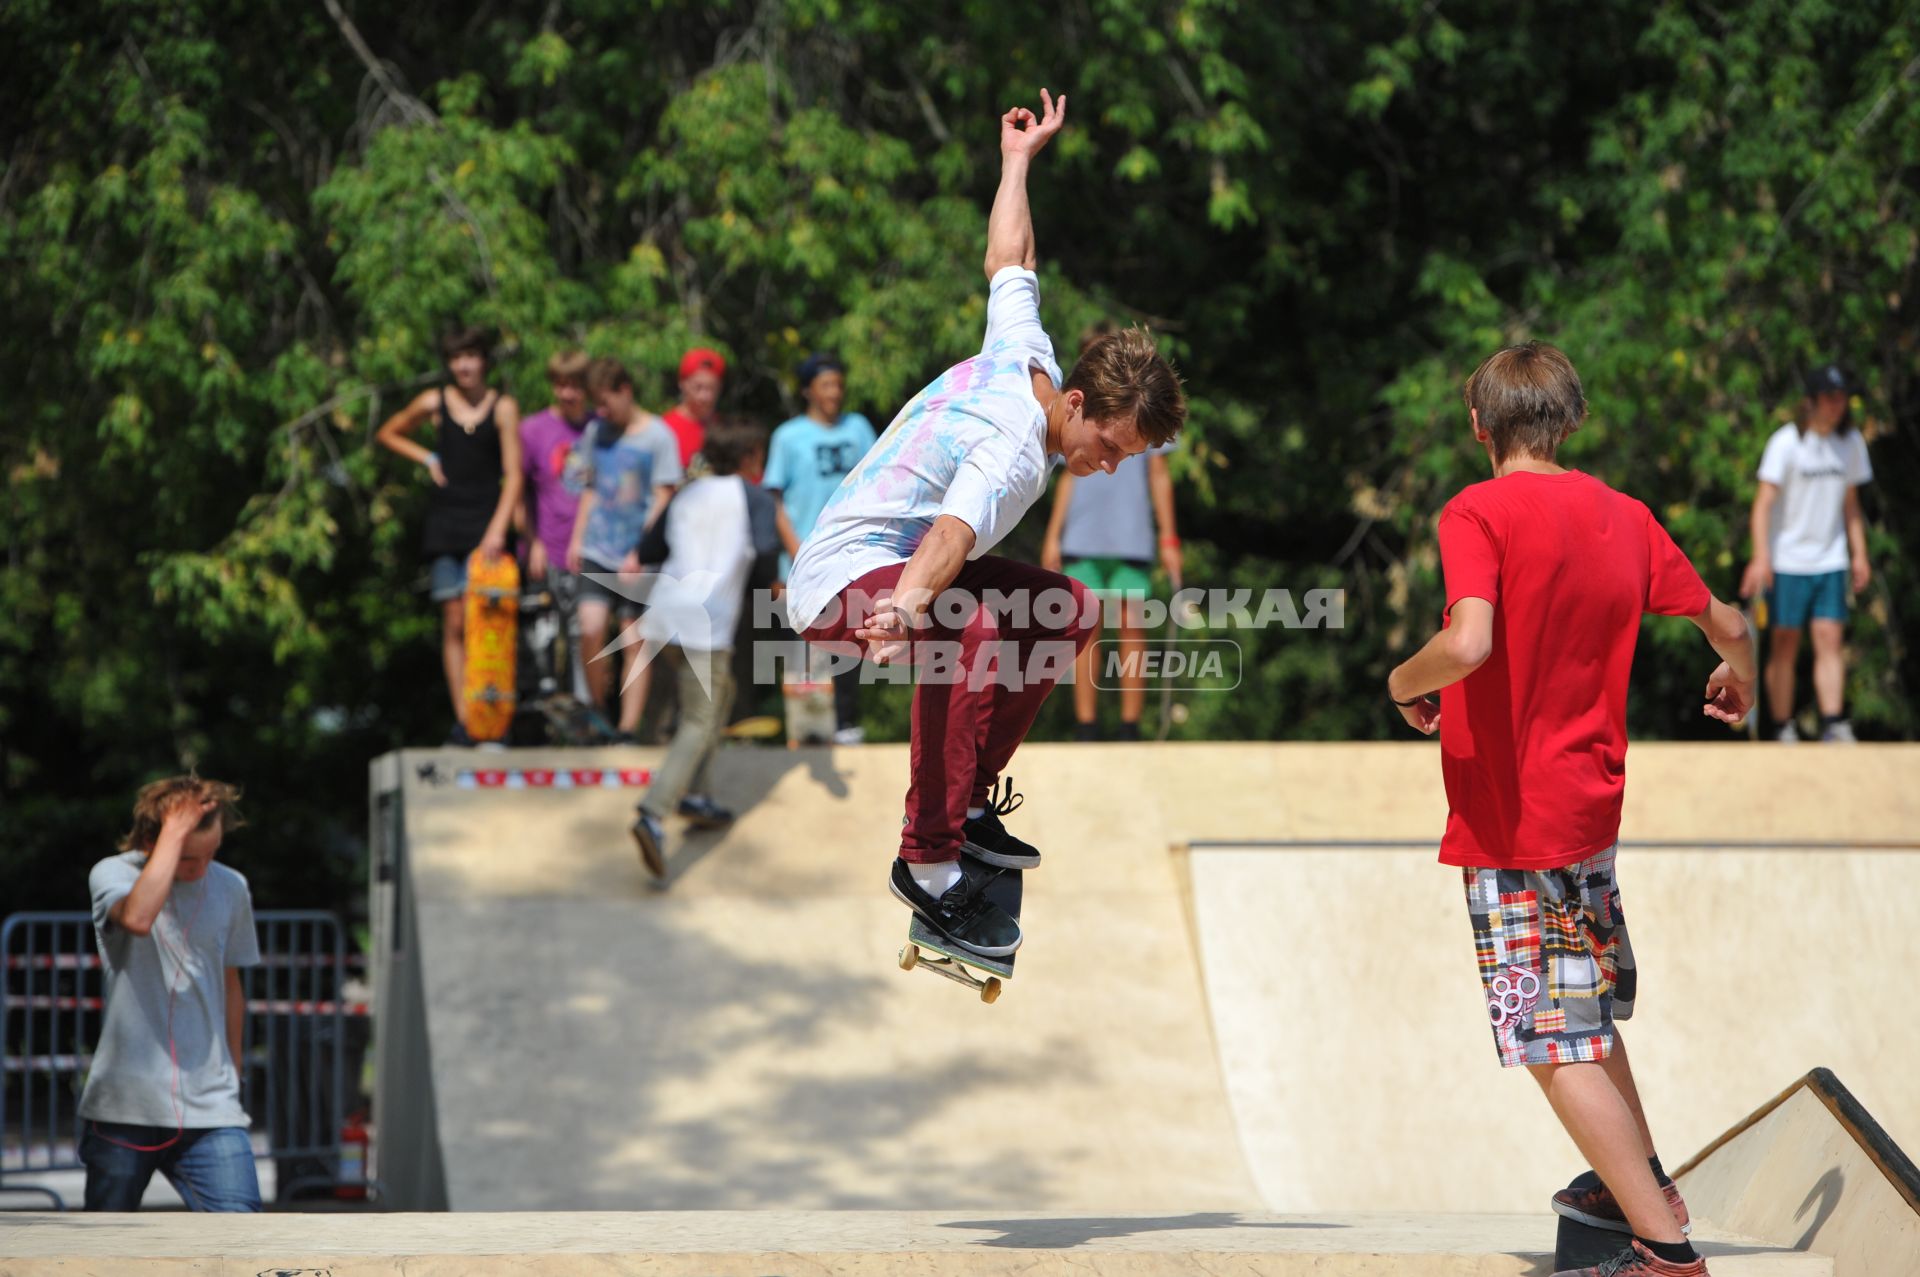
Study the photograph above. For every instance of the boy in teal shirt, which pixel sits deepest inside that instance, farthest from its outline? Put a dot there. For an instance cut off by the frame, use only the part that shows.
(806, 461)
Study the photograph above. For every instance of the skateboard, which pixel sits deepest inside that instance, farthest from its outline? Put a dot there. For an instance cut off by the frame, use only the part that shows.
(493, 641)
(757, 727)
(928, 950)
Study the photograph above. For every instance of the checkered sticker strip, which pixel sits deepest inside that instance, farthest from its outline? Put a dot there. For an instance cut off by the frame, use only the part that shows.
(536, 778)
(1554, 959)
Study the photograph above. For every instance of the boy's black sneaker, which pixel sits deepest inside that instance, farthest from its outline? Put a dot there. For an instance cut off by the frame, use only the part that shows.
(987, 840)
(651, 839)
(963, 915)
(703, 813)
(459, 738)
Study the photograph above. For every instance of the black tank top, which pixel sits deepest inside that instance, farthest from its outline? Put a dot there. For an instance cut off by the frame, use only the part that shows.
(458, 514)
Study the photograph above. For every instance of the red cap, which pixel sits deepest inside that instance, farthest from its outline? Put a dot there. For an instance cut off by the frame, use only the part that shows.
(701, 359)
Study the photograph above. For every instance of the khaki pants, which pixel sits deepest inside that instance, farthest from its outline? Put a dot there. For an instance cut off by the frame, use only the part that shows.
(702, 719)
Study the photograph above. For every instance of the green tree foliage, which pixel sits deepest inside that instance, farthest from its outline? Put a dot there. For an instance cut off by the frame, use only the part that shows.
(231, 231)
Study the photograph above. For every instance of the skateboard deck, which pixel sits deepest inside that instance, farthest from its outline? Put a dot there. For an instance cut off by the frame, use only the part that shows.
(489, 692)
(757, 727)
(928, 950)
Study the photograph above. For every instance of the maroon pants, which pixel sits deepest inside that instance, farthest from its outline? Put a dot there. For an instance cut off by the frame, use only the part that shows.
(994, 645)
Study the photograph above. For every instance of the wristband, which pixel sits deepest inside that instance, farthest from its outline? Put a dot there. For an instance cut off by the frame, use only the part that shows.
(431, 460)
(1172, 541)
(1406, 704)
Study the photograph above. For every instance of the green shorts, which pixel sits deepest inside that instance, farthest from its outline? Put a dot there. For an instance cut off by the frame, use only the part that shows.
(1113, 578)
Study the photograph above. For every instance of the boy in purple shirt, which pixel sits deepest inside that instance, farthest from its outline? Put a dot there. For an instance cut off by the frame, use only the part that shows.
(554, 485)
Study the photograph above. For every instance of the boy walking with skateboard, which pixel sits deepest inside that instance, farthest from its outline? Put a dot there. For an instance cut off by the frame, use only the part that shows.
(1548, 571)
(898, 559)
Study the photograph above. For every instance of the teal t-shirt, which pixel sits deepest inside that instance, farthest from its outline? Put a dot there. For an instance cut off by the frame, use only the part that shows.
(806, 461)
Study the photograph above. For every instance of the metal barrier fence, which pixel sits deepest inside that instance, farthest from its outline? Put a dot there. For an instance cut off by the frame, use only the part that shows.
(294, 1077)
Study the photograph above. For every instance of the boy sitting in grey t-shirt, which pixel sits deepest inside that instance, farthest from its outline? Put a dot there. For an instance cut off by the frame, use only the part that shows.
(173, 928)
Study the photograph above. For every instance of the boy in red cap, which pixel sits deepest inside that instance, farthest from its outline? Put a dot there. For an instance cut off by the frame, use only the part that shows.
(702, 372)
(1548, 572)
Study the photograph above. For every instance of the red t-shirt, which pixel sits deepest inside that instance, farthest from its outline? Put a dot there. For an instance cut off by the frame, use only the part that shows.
(1533, 744)
(688, 431)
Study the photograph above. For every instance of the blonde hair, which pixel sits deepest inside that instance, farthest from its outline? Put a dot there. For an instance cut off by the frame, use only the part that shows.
(568, 366)
(156, 799)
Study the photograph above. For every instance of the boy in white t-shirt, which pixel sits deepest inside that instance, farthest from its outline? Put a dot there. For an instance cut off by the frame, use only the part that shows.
(717, 537)
(1809, 538)
(898, 558)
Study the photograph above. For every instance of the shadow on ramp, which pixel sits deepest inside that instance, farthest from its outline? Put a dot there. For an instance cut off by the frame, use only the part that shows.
(1068, 1232)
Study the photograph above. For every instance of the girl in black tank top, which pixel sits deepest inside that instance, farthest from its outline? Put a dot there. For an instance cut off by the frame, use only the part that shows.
(474, 477)
(458, 514)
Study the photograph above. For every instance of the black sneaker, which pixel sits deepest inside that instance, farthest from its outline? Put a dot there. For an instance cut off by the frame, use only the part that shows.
(963, 915)
(1127, 731)
(988, 841)
(458, 737)
(1087, 732)
(652, 842)
(704, 813)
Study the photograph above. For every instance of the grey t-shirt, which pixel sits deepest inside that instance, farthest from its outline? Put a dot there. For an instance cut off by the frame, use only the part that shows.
(1110, 516)
(204, 928)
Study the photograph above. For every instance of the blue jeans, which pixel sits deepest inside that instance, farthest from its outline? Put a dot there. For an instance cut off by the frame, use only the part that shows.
(211, 1168)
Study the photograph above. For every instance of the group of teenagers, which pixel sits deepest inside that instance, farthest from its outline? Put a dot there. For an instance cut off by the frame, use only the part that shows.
(652, 530)
(1548, 572)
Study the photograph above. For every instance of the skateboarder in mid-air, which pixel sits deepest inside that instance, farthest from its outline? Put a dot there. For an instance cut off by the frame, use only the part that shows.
(898, 558)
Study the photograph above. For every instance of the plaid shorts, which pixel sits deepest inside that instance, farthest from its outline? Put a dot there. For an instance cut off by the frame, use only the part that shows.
(1554, 957)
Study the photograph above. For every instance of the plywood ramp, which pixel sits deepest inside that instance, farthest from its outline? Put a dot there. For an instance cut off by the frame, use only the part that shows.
(744, 1039)
(1814, 1170)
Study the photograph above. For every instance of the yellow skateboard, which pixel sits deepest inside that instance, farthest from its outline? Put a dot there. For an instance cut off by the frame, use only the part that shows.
(493, 640)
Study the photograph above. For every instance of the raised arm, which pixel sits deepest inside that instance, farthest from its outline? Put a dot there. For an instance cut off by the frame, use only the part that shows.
(138, 909)
(1010, 225)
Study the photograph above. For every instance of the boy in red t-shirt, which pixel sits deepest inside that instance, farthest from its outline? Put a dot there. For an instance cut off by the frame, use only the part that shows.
(1548, 571)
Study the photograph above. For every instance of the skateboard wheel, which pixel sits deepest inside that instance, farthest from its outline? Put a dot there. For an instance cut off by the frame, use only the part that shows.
(909, 957)
(990, 991)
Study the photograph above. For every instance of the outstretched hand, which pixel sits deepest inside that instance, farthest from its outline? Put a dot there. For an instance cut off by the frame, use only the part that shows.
(1023, 133)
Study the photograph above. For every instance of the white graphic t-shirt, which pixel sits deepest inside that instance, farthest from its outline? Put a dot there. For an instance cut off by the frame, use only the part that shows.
(972, 445)
(1813, 472)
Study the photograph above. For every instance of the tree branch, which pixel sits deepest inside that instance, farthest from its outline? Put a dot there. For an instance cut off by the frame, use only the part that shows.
(412, 110)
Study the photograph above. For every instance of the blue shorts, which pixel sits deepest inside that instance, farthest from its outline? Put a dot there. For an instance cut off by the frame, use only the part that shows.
(446, 578)
(1798, 596)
